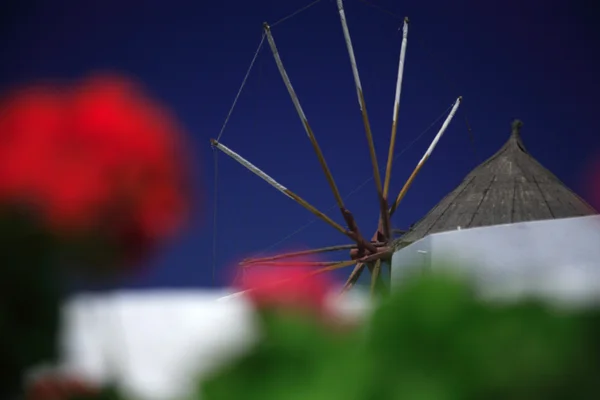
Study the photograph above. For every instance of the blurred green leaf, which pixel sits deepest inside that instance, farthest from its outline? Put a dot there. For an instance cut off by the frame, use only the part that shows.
(30, 295)
(431, 340)
(299, 358)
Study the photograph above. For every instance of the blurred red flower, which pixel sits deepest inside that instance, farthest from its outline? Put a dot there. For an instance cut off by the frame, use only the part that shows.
(59, 388)
(294, 289)
(97, 157)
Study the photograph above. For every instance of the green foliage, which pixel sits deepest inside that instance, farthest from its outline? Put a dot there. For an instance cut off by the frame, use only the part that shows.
(32, 272)
(29, 299)
(435, 334)
(432, 340)
(297, 359)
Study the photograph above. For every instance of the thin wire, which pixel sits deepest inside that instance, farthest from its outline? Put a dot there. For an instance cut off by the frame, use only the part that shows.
(355, 190)
(453, 86)
(471, 136)
(448, 81)
(216, 167)
(237, 96)
(215, 198)
(306, 7)
(262, 39)
(381, 9)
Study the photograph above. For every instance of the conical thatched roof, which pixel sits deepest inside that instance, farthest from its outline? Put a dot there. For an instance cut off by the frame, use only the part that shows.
(511, 186)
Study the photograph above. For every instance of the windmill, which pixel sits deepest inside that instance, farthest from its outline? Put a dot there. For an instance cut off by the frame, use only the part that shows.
(363, 253)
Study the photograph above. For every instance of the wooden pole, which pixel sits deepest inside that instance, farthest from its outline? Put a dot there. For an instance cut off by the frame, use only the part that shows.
(425, 157)
(375, 277)
(388, 168)
(278, 186)
(303, 119)
(333, 267)
(353, 278)
(359, 268)
(303, 253)
(312, 273)
(292, 264)
(365, 117)
(254, 169)
(364, 260)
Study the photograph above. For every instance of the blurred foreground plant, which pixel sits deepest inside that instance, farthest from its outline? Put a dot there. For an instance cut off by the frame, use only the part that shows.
(432, 339)
(91, 179)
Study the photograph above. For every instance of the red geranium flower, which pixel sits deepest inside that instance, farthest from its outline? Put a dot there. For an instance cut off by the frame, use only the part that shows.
(294, 289)
(30, 121)
(98, 157)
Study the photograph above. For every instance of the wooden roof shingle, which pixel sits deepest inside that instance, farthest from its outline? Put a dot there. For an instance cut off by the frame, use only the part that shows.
(511, 186)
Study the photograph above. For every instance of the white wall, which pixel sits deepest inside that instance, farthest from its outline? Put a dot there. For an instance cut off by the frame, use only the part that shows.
(556, 258)
(156, 344)
(153, 343)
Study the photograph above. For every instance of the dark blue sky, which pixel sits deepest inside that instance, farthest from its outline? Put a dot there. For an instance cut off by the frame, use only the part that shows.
(534, 60)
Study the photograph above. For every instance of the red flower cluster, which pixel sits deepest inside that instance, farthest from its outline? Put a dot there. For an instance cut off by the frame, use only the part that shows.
(58, 388)
(294, 289)
(97, 157)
